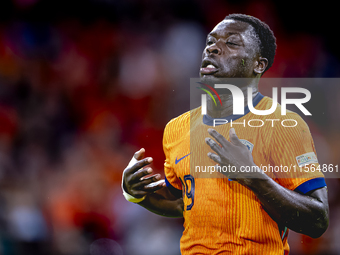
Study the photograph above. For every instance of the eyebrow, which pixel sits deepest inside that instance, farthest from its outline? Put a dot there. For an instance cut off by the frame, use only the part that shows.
(228, 33)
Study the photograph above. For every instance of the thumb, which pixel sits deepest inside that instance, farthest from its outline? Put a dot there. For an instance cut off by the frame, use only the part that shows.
(233, 137)
(139, 154)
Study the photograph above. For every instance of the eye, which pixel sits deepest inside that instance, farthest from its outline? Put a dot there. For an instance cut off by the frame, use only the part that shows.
(210, 42)
(231, 43)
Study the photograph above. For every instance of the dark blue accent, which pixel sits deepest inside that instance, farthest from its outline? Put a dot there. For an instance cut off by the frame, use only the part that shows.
(173, 190)
(311, 185)
(191, 193)
(207, 120)
(178, 160)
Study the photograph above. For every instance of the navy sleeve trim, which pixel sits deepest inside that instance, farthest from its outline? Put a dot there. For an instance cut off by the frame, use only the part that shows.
(173, 190)
(311, 185)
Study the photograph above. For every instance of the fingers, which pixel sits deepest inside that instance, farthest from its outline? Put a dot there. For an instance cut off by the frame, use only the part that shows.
(150, 184)
(218, 137)
(145, 181)
(224, 142)
(213, 145)
(215, 157)
(154, 186)
(134, 181)
(134, 164)
(139, 174)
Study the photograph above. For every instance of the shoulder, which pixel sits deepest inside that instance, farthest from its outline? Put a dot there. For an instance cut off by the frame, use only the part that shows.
(180, 120)
(183, 121)
(290, 118)
(289, 125)
(180, 125)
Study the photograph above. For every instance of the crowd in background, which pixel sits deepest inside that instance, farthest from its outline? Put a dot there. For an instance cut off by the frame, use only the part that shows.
(84, 85)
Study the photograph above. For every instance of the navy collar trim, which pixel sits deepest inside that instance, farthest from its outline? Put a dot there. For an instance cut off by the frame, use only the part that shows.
(207, 120)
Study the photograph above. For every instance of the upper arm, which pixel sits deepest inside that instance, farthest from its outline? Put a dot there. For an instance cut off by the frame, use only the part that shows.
(320, 210)
(321, 195)
(293, 149)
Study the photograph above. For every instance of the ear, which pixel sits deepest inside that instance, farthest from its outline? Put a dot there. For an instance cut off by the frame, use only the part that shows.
(260, 65)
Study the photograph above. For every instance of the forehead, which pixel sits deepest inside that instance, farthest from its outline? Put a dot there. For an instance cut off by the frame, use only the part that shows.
(229, 26)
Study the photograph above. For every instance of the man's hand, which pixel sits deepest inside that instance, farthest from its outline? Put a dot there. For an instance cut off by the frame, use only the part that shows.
(134, 181)
(158, 197)
(303, 213)
(233, 153)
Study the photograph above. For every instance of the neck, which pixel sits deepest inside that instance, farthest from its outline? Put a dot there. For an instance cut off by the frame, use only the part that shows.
(226, 109)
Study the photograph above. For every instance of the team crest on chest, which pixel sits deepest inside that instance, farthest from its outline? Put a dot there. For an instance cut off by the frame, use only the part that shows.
(249, 145)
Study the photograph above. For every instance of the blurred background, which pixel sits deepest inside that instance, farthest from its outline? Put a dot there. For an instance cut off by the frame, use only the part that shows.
(85, 84)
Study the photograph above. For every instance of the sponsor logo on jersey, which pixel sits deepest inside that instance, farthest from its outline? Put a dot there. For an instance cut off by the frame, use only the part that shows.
(307, 158)
(178, 160)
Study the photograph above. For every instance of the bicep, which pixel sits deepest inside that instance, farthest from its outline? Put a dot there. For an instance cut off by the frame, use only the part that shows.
(321, 195)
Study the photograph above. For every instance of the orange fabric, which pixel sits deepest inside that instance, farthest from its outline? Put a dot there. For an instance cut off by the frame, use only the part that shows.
(222, 216)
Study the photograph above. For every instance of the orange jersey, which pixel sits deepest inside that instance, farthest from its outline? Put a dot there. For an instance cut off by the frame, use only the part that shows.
(222, 216)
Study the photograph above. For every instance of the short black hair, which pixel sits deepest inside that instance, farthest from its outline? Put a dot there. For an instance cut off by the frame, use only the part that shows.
(265, 35)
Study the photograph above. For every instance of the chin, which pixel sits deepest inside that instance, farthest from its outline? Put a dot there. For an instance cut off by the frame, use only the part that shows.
(210, 79)
(236, 81)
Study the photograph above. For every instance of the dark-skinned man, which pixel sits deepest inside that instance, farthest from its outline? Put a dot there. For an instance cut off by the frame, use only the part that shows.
(246, 213)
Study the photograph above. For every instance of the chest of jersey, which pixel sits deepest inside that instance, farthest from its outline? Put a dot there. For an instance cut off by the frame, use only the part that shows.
(190, 155)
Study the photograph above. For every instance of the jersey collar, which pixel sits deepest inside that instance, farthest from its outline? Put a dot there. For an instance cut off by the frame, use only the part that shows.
(207, 120)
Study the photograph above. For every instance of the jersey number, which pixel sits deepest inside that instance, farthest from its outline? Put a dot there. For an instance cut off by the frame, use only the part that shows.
(190, 194)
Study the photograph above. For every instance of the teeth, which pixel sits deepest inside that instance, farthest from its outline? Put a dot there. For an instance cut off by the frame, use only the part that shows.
(210, 66)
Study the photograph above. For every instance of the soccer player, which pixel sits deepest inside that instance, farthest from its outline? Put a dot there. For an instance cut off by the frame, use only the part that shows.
(244, 213)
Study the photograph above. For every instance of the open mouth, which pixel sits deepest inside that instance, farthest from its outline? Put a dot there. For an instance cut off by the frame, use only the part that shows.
(208, 68)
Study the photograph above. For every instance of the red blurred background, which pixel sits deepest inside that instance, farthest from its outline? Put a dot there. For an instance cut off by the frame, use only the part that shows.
(85, 84)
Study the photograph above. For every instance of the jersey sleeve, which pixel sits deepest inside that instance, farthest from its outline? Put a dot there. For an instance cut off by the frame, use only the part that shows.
(171, 179)
(293, 153)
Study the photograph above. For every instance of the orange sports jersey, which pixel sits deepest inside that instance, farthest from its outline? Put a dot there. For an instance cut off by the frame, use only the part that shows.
(222, 216)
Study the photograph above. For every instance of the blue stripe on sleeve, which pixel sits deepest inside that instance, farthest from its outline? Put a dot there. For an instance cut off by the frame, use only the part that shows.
(173, 190)
(311, 185)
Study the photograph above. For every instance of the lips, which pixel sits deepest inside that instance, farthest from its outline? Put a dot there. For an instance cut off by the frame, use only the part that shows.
(208, 68)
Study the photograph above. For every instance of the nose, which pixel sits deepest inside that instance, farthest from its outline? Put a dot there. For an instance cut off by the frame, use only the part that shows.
(213, 49)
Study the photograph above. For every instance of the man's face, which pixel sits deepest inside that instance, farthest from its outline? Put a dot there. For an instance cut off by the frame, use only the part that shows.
(230, 51)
